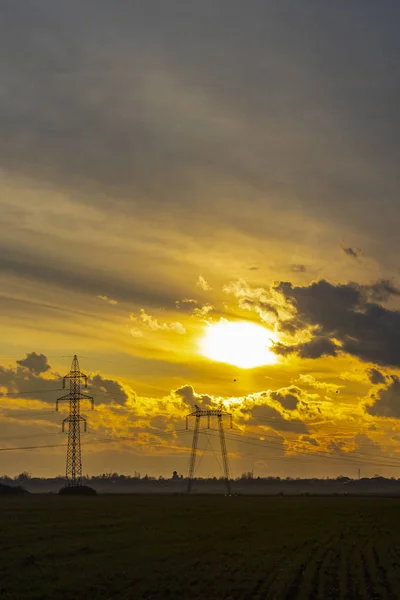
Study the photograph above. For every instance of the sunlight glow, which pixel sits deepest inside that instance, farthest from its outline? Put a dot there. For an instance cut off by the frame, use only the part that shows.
(240, 343)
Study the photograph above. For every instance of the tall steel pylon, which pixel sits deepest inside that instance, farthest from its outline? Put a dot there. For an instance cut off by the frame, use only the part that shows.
(74, 420)
(198, 414)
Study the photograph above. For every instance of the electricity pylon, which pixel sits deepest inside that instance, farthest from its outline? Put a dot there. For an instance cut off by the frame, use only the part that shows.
(220, 414)
(74, 420)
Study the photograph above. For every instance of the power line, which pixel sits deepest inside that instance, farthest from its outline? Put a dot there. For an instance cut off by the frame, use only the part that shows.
(325, 455)
(309, 457)
(315, 455)
(27, 437)
(21, 393)
(105, 441)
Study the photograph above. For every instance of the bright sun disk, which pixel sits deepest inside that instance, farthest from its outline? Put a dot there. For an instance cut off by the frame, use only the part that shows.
(240, 343)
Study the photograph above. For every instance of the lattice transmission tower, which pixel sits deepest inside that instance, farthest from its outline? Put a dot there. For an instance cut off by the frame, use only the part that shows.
(198, 414)
(74, 420)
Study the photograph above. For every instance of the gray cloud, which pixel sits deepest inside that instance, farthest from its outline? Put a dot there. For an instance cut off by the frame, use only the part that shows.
(190, 398)
(319, 346)
(353, 252)
(298, 268)
(309, 440)
(33, 265)
(145, 101)
(386, 402)
(266, 415)
(348, 313)
(113, 388)
(37, 363)
(380, 291)
(375, 376)
(26, 381)
(287, 397)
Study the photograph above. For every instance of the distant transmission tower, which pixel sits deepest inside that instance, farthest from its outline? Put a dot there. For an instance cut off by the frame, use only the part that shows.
(220, 414)
(74, 420)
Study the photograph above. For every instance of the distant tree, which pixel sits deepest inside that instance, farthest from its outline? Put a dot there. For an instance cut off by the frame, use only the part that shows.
(23, 477)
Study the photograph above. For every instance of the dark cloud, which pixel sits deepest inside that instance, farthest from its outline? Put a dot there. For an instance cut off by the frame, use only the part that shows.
(309, 440)
(287, 397)
(262, 307)
(375, 376)
(386, 402)
(31, 265)
(114, 390)
(37, 363)
(319, 346)
(26, 381)
(266, 415)
(346, 313)
(190, 398)
(298, 268)
(380, 291)
(160, 422)
(353, 252)
(143, 100)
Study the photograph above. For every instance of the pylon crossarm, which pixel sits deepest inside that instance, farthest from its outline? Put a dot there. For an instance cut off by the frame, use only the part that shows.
(73, 419)
(87, 397)
(66, 397)
(203, 412)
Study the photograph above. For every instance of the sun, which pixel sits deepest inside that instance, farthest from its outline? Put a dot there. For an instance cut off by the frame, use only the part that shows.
(239, 343)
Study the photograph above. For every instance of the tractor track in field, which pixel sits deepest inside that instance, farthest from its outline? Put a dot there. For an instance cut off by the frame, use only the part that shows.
(317, 578)
(383, 578)
(372, 592)
(294, 590)
(330, 583)
(266, 587)
(258, 592)
(356, 574)
(262, 589)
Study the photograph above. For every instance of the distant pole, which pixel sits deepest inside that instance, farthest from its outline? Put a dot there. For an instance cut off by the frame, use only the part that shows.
(74, 420)
(359, 473)
(220, 414)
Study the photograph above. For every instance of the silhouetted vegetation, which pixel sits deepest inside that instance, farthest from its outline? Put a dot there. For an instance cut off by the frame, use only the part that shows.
(11, 490)
(246, 484)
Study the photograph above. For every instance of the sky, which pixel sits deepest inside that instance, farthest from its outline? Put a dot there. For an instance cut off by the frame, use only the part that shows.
(168, 169)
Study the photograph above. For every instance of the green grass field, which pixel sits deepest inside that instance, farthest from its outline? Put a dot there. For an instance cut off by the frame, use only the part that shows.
(117, 547)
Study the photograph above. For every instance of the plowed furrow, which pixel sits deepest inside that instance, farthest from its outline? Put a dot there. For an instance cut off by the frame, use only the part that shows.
(372, 592)
(383, 578)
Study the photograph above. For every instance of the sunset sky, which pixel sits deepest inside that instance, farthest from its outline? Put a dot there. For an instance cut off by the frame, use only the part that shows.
(168, 168)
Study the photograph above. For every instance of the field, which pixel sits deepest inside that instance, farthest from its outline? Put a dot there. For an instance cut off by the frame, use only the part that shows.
(200, 547)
